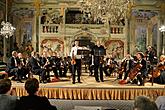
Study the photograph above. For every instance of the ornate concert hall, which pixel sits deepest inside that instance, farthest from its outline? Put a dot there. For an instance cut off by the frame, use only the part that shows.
(91, 54)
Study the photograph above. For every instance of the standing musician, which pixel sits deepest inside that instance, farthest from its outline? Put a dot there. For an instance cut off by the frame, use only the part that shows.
(143, 70)
(76, 62)
(98, 53)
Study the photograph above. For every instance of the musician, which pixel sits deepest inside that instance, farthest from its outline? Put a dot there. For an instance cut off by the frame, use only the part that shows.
(161, 71)
(143, 71)
(45, 63)
(76, 66)
(36, 68)
(128, 64)
(53, 62)
(23, 66)
(65, 66)
(98, 53)
(12, 67)
(150, 55)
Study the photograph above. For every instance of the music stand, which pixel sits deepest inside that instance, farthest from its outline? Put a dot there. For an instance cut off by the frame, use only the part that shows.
(99, 52)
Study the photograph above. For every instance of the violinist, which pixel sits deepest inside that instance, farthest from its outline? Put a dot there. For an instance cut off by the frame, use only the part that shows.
(36, 68)
(76, 62)
(53, 62)
(98, 53)
(23, 66)
(142, 73)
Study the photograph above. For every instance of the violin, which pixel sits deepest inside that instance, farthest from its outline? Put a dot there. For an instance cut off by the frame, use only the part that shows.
(73, 61)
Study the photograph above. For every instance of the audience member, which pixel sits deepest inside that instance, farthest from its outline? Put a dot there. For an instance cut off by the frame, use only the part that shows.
(144, 103)
(7, 102)
(33, 101)
(160, 102)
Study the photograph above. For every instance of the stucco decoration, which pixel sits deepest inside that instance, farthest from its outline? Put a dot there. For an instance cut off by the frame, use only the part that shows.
(52, 45)
(115, 48)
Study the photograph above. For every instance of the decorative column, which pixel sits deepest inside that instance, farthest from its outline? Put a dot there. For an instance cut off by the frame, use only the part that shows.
(129, 13)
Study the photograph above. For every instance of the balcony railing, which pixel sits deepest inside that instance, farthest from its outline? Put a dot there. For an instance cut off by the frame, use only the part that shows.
(55, 28)
(117, 29)
(51, 28)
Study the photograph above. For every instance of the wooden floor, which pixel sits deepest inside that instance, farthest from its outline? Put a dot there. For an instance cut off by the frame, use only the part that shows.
(89, 82)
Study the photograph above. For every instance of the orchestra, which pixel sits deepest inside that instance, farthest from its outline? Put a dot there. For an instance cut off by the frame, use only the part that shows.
(134, 69)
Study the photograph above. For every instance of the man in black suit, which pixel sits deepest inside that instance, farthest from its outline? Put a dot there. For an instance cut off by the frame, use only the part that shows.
(98, 53)
(13, 67)
(128, 65)
(33, 101)
(7, 102)
(36, 68)
(143, 71)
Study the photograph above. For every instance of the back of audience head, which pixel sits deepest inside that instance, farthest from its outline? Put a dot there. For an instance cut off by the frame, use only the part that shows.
(144, 103)
(32, 86)
(5, 86)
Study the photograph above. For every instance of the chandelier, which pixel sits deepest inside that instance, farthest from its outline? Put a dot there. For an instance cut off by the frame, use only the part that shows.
(162, 28)
(7, 29)
(105, 10)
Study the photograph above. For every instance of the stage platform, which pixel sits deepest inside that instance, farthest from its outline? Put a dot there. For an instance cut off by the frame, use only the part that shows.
(89, 89)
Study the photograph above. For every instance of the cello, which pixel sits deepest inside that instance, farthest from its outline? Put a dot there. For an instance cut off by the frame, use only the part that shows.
(133, 72)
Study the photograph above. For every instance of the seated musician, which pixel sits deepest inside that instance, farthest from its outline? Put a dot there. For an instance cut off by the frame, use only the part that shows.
(53, 62)
(142, 73)
(36, 68)
(13, 67)
(110, 65)
(23, 66)
(45, 64)
(127, 64)
(159, 71)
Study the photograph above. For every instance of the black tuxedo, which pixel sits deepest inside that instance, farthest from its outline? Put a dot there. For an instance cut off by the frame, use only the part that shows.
(127, 67)
(34, 102)
(36, 68)
(141, 77)
(13, 68)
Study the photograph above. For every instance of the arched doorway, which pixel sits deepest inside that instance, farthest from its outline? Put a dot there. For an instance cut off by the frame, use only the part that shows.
(85, 39)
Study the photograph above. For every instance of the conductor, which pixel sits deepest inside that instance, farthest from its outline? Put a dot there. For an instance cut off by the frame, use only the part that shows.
(76, 62)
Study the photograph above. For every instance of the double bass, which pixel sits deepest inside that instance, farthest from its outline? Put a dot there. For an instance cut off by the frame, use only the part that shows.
(133, 72)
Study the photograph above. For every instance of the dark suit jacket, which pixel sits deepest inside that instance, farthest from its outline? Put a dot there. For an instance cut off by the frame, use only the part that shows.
(34, 63)
(34, 102)
(11, 65)
(7, 102)
(98, 53)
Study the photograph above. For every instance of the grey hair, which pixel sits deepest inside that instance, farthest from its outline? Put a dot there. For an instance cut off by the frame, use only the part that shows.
(144, 103)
